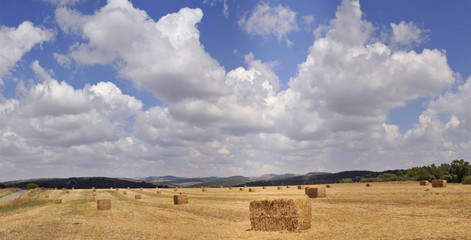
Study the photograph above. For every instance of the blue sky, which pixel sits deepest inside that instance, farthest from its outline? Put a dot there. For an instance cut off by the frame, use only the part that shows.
(188, 88)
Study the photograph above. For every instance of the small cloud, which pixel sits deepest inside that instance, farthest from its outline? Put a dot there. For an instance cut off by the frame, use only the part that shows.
(63, 60)
(407, 34)
(266, 20)
(308, 21)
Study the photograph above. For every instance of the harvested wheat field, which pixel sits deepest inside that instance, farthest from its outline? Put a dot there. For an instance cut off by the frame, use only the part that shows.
(400, 210)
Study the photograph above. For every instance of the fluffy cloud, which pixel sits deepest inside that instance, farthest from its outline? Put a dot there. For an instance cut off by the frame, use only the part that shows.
(164, 57)
(15, 42)
(407, 33)
(266, 20)
(333, 115)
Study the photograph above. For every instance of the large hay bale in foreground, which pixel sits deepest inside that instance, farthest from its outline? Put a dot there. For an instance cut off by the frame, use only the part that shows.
(424, 183)
(137, 196)
(180, 199)
(58, 201)
(315, 192)
(280, 214)
(103, 204)
(439, 183)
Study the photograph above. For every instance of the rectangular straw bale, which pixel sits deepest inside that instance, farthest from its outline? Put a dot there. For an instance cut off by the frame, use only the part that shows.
(280, 214)
(315, 192)
(58, 201)
(424, 183)
(180, 199)
(137, 196)
(103, 204)
(439, 183)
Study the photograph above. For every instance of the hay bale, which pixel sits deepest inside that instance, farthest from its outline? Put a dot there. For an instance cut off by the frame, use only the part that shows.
(142, 189)
(94, 190)
(264, 187)
(315, 192)
(46, 196)
(180, 199)
(103, 204)
(137, 196)
(158, 192)
(424, 183)
(241, 189)
(280, 214)
(230, 188)
(368, 185)
(300, 187)
(125, 193)
(204, 189)
(117, 189)
(251, 190)
(327, 186)
(439, 183)
(67, 192)
(287, 186)
(279, 188)
(92, 199)
(58, 201)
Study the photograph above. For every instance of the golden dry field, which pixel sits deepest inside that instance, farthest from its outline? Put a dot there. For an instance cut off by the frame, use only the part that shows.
(399, 210)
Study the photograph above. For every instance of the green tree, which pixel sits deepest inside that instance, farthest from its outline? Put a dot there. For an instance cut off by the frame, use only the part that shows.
(459, 169)
(346, 180)
(31, 186)
(2, 185)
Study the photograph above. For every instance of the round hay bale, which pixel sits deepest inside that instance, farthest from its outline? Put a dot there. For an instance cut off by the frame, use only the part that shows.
(251, 190)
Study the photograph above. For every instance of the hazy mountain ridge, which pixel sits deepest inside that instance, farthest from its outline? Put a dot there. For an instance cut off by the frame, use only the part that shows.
(169, 181)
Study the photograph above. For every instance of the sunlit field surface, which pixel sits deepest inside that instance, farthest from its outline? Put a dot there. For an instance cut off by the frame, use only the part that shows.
(350, 211)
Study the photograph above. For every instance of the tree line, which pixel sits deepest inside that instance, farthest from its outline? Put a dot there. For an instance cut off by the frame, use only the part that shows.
(458, 171)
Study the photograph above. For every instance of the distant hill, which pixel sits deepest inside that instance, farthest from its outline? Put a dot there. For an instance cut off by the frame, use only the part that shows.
(84, 182)
(317, 179)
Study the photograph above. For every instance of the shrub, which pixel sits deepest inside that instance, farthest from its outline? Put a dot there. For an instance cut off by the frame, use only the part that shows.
(2, 185)
(346, 180)
(31, 186)
(466, 180)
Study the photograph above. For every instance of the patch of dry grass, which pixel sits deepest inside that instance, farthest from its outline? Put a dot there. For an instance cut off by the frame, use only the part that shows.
(350, 211)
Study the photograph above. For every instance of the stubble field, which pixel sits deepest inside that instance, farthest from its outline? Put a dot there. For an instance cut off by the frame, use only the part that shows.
(401, 210)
